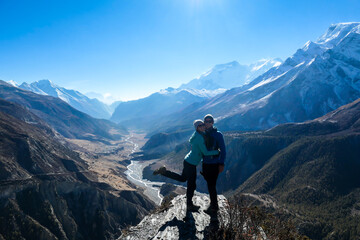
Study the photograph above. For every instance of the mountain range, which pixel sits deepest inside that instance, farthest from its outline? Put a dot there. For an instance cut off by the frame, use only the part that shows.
(66, 120)
(77, 100)
(157, 106)
(317, 79)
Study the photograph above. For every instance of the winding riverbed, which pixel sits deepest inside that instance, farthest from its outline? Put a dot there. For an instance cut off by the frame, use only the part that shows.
(134, 174)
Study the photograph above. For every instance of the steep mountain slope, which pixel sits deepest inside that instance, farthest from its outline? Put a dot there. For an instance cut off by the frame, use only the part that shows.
(325, 135)
(47, 191)
(316, 176)
(30, 148)
(68, 121)
(77, 100)
(231, 75)
(24, 115)
(318, 78)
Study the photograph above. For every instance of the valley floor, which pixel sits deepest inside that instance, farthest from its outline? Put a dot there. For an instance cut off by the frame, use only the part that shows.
(109, 161)
(112, 165)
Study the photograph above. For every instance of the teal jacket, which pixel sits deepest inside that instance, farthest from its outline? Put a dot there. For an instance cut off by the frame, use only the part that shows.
(198, 149)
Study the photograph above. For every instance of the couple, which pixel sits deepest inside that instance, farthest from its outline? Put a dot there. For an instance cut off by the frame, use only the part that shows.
(207, 144)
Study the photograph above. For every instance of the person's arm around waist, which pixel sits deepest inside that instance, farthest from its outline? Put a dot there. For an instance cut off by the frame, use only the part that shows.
(204, 151)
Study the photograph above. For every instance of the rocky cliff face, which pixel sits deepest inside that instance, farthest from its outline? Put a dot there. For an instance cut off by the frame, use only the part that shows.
(236, 219)
(67, 210)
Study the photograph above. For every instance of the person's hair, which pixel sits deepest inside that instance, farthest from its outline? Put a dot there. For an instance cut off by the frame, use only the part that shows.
(209, 116)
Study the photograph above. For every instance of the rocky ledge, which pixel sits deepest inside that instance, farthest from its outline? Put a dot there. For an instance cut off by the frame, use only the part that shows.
(172, 221)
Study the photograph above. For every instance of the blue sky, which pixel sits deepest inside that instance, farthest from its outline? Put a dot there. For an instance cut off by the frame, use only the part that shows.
(132, 48)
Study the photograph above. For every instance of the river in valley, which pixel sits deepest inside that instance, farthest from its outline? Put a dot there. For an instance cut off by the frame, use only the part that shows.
(134, 174)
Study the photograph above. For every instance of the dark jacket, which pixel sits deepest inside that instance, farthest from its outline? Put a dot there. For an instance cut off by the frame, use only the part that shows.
(198, 149)
(215, 140)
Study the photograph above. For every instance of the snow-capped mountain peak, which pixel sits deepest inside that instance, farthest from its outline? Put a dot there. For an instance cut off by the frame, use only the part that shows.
(230, 75)
(333, 36)
(320, 77)
(12, 82)
(76, 99)
(337, 32)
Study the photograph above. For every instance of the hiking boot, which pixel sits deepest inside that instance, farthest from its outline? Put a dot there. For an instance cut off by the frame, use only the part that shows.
(160, 170)
(211, 210)
(192, 208)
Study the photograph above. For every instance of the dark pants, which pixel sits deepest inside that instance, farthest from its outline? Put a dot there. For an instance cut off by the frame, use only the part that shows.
(188, 174)
(211, 173)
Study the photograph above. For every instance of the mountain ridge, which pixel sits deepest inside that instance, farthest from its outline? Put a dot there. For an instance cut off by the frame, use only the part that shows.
(81, 102)
(68, 121)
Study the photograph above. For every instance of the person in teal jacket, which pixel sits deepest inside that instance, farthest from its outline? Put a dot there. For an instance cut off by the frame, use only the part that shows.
(191, 160)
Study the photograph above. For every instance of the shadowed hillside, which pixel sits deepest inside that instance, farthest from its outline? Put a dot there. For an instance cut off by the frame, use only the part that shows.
(316, 178)
(47, 191)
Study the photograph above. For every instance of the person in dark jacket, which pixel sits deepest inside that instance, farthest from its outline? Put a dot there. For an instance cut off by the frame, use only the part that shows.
(191, 160)
(213, 165)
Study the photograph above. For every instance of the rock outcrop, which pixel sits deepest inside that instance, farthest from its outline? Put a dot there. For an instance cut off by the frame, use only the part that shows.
(174, 222)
